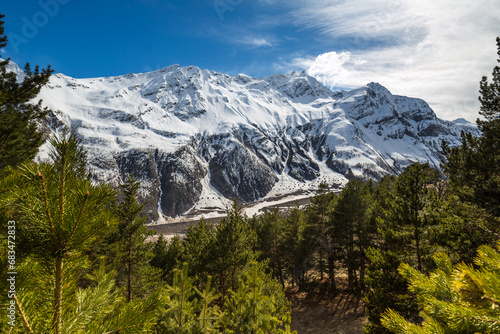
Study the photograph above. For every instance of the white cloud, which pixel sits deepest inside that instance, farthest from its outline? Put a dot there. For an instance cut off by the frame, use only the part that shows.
(435, 50)
(253, 41)
(336, 69)
(240, 36)
(362, 18)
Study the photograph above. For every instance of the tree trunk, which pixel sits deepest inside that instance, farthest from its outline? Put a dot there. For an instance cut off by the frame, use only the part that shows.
(223, 288)
(417, 244)
(321, 264)
(331, 272)
(280, 272)
(58, 290)
(362, 265)
(129, 276)
(351, 268)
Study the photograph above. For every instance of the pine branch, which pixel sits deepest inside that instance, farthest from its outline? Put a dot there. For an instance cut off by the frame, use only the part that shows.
(23, 316)
(47, 207)
(62, 197)
(78, 219)
(123, 328)
(91, 234)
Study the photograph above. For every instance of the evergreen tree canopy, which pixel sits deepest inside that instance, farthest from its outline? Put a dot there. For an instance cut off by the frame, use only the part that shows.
(180, 314)
(20, 136)
(252, 309)
(270, 231)
(460, 299)
(319, 237)
(388, 289)
(128, 249)
(474, 167)
(196, 248)
(167, 256)
(295, 250)
(230, 251)
(59, 213)
(409, 208)
(490, 92)
(59, 210)
(352, 228)
(402, 218)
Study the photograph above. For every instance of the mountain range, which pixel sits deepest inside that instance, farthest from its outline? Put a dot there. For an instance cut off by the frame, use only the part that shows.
(197, 139)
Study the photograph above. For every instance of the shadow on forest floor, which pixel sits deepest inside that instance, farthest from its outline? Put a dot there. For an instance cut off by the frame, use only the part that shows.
(317, 310)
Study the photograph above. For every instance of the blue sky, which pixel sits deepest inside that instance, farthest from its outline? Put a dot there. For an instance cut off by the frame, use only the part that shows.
(435, 50)
(103, 38)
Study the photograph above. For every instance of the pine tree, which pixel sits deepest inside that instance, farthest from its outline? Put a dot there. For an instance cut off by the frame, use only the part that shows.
(460, 299)
(462, 227)
(318, 234)
(210, 317)
(473, 168)
(20, 136)
(99, 308)
(269, 231)
(409, 209)
(353, 229)
(128, 249)
(230, 251)
(252, 307)
(296, 250)
(256, 305)
(490, 93)
(287, 320)
(488, 164)
(102, 308)
(180, 314)
(167, 256)
(386, 287)
(55, 207)
(159, 253)
(197, 250)
(59, 213)
(222, 251)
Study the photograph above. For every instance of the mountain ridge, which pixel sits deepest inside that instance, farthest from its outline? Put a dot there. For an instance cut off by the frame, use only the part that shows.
(196, 138)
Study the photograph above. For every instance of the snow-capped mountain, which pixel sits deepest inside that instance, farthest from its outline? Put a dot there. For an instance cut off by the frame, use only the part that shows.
(197, 139)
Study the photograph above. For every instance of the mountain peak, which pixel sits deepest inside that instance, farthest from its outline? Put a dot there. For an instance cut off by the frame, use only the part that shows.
(378, 88)
(462, 122)
(298, 86)
(375, 104)
(13, 67)
(170, 68)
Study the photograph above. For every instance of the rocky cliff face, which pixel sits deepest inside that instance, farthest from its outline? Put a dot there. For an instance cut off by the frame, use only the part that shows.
(197, 139)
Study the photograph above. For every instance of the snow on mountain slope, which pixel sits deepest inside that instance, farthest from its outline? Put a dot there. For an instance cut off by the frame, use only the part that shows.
(196, 139)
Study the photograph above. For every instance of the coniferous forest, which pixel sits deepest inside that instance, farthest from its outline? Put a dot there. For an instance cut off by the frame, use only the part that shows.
(421, 247)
